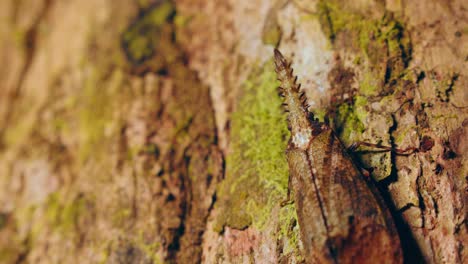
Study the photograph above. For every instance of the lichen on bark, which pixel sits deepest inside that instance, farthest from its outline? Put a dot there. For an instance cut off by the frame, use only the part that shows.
(121, 146)
(378, 49)
(397, 100)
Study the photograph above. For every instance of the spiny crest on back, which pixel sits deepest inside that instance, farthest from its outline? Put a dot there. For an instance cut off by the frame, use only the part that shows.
(289, 86)
(301, 122)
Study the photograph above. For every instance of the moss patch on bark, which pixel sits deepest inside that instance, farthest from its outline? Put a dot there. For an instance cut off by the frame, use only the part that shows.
(375, 43)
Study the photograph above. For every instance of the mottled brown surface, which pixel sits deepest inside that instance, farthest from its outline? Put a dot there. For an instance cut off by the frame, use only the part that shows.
(427, 107)
(108, 159)
(340, 218)
(111, 166)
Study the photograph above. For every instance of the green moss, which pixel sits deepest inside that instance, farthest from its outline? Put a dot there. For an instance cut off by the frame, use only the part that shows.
(160, 14)
(382, 42)
(289, 231)
(62, 215)
(181, 21)
(141, 38)
(53, 207)
(382, 50)
(98, 104)
(332, 20)
(361, 103)
(349, 124)
(144, 3)
(59, 124)
(120, 217)
(256, 168)
(369, 85)
(104, 256)
(386, 30)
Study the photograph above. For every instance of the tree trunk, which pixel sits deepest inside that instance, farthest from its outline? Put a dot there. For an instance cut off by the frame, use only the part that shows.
(151, 131)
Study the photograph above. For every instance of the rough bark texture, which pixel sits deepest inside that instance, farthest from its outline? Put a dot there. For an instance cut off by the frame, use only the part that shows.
(151, 131)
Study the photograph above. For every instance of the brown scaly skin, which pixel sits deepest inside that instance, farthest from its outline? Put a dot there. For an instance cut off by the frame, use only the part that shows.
(341, 218)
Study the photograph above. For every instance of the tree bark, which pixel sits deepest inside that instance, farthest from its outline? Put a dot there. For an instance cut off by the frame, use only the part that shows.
(151, 131)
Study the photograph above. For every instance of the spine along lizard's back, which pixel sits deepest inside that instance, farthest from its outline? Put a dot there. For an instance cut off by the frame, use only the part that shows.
(342, 218)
